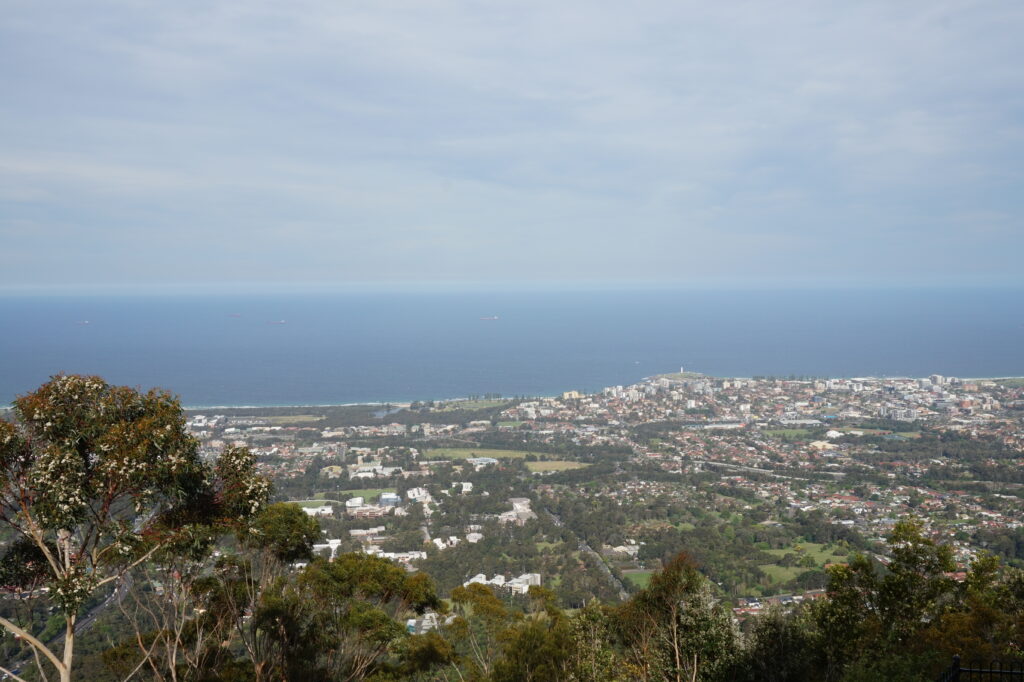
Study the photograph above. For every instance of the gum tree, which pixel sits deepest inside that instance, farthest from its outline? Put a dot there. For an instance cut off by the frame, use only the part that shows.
(94, 480)
(674, 630)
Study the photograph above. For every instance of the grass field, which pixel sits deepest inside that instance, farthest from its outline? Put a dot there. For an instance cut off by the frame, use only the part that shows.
(555, 465)
(781, 574)
(817, 552)
(640, 578)
(471, 405)
(293, 419)
(466, 453)
(365, 493)
(314, 503)
(814, 550)
(1010, 382)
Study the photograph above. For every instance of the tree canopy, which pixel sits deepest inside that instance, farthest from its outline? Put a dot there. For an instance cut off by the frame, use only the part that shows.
(96, 479)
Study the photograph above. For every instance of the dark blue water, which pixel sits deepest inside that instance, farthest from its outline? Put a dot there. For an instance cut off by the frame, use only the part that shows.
(342, 348)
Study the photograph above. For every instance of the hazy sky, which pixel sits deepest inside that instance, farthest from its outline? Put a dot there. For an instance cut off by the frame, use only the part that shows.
(284, 143)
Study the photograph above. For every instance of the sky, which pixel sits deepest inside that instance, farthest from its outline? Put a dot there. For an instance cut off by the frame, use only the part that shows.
(338, 143)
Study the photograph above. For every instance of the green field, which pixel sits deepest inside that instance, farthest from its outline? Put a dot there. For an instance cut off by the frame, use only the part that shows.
(639, 578)
(814, 550)
(466, 453)
(781, 574)
(365, 493)
(472, 405)
(1010, 382)
(293, 419)
(314, 503)
(555, 465)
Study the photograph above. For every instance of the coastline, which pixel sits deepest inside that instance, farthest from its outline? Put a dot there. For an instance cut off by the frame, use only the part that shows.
(405, 403)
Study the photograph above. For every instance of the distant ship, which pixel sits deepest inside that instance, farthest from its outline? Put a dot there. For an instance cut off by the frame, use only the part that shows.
(234, 314)
(492, 317)
(276, 322)
(82, 322)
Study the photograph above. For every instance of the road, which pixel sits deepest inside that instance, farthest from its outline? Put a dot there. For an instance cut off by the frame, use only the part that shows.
(584, 547)
(623, 594)
(81, 625)
(765, 472)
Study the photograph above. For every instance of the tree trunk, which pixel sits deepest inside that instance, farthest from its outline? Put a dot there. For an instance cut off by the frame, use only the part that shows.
(675, 646)
(69, 648)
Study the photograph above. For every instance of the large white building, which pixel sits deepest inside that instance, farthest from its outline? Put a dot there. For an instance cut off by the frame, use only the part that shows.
(520, 585)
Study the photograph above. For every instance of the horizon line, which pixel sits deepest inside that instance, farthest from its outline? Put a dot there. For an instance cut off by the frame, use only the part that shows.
(497, 286)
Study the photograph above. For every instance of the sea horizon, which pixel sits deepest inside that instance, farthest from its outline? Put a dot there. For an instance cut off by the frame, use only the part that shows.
(365, 347)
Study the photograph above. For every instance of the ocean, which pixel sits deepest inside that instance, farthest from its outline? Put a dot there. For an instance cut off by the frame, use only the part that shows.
(304, 349)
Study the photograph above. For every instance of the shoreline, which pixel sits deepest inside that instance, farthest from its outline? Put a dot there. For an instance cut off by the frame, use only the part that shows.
(405, 403)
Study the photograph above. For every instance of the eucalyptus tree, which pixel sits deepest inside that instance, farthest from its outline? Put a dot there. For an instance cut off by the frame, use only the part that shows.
(95, 480)
(674, 629)
(340, 620)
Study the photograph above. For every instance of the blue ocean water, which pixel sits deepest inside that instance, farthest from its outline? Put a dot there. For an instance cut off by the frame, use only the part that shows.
(370, 347)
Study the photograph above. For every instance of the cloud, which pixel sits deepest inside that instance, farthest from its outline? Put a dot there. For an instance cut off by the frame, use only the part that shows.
(466, 140)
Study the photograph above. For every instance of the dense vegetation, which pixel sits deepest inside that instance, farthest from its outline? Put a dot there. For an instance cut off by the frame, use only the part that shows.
(247, 615)
(188, 574)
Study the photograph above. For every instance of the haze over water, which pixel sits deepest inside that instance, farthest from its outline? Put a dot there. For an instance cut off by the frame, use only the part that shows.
(366, 347)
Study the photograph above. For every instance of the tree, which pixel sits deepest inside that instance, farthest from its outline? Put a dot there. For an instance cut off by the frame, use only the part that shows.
(279, 536)
(539, 648)
(179, 630)
(283, 533)
(673, 630)
(913, 590)
(593, 656)
(95, 480)
(338, 620)
(884, 613)
(778, 648)
(477, 630)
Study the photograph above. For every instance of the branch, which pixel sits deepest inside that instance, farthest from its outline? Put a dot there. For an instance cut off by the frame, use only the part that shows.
(122, 572)
(39, 537)
(145, 659)
(27, 636)
(137, 625)
(39, 666)
(12, 675)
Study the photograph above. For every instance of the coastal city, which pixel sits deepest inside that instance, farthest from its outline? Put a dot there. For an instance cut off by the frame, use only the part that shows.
(764, 482)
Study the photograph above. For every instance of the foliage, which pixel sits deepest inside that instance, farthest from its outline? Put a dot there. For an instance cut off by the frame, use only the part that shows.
(285, 531)
(96, 479)
(672, 629)
(338, 620)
